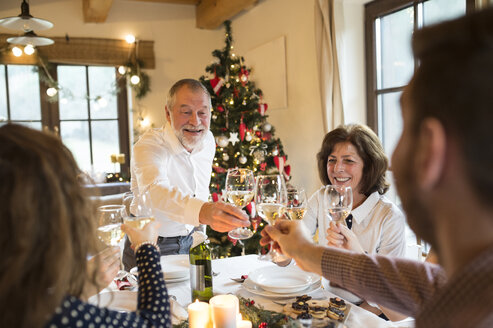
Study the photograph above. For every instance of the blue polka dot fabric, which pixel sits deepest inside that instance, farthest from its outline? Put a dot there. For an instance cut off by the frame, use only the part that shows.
(153, 307)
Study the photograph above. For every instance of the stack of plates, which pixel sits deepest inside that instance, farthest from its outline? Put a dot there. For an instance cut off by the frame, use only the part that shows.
(281, 282)
(175, 268)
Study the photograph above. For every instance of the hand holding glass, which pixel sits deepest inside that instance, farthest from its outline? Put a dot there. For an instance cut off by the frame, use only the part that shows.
(110, 219)
(240, 184)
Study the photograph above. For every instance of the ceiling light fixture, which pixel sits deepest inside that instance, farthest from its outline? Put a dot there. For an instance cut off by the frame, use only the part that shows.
(25, 22)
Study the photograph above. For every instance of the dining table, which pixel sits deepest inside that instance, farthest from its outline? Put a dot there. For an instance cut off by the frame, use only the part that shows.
(226, 269)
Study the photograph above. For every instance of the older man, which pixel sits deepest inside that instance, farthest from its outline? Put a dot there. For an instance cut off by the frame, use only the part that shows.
(174, 164)
(443, 167)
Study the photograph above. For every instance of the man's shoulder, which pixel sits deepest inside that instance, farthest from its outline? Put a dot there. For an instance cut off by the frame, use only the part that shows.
(156, 135)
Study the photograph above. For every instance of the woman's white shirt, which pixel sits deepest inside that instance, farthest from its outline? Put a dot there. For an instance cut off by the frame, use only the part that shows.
(378, 223)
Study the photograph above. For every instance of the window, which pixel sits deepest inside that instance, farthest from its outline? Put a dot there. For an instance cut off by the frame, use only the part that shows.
(89, 115)
(389, 60)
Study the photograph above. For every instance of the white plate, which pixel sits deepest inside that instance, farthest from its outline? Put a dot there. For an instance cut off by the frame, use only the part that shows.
(175, 266)
(119, 300)
(251, 287)
(282, 280)
(173, 280)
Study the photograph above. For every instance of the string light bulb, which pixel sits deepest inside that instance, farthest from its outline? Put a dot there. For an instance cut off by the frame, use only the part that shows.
(122, 70)
(51, 92)
(17, 51)
(135, 79)
(130, 38)
(29, 49)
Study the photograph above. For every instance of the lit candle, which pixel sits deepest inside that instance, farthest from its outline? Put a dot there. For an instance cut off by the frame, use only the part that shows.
(223, 311)
(113, 158)
(240, 323)
(120, 158)
(198, 315)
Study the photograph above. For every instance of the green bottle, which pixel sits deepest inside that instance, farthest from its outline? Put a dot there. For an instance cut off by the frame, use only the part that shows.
(201, 272)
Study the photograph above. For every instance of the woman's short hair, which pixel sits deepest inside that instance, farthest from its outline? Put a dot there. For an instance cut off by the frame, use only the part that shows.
(369, 148)
(48, 226)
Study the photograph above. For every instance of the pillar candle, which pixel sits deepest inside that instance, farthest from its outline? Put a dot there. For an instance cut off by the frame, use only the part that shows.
(224, 309)
(198, 315)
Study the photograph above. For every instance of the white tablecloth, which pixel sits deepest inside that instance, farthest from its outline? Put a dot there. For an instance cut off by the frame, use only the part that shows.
(234, 267)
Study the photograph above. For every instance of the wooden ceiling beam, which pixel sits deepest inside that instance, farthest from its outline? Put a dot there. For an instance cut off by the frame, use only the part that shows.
(96, 11)
(179, 2)
(210, 14)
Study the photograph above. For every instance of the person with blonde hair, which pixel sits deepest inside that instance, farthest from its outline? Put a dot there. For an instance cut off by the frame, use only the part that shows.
(48, 232)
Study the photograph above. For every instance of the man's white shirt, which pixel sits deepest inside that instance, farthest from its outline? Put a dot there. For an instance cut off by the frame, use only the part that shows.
(177, 180)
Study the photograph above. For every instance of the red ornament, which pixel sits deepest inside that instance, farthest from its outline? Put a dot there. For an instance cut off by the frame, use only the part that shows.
(287, 170)
(258, 133)
(263, 166)
(252, 302)
(279, 161)
(219, 169)
(242, 129)
(236, 92)
(244, 76)
(262, 325)
(233, 241)
(267, 136)
(262, 108)
(215, 197)
(220, 109)
(216, 84)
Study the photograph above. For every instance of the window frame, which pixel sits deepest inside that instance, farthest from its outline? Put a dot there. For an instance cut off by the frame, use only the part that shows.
(50, 112)
(374, 10)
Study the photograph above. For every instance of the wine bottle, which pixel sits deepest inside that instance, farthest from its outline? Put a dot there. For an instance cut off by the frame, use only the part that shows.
(201, 272)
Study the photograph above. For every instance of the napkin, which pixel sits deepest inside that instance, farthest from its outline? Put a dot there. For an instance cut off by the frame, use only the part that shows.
(178, 312)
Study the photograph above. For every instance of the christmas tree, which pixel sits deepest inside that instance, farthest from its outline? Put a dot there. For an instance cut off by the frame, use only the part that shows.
(243, 136)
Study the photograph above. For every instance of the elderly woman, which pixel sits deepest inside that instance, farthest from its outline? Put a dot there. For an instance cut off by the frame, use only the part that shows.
(48, 231)
(352, 156)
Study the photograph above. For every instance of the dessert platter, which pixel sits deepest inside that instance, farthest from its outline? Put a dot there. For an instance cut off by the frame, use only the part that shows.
(321, 312)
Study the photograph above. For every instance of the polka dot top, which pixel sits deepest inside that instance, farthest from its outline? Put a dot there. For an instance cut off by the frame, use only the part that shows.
(153, 308)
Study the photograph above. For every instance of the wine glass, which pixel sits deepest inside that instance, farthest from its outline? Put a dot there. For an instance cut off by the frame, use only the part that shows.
(239, 190)
(110, 219)
(271, 199)
(338, 202)
(297, 203)
(142, 211)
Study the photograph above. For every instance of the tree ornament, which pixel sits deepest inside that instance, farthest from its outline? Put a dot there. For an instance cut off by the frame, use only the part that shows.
(275, 152)
(243, 76)
(220, 108)
(244, 102)
(248, 137)
(263, 166)
(262, 108)
(242, 159)
(266, 127)
(242, 129)
(222, 141)
(225, 157)
(214, 116)
(216, 84)
(280, 161)
(233, 137)
(228, 85)
(259, 155)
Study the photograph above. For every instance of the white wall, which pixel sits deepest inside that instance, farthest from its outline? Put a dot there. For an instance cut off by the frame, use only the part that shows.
(182, 50)
(300, 125)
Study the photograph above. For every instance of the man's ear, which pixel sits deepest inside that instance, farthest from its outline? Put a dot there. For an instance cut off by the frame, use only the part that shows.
(166, 110)
(431, 153)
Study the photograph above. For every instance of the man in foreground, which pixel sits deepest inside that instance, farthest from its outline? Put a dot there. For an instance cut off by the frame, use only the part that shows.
(443, 168)
(173, 165)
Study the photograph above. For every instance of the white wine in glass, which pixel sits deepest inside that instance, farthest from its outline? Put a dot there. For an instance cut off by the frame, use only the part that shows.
(143, 211)
(110, 219)
(297, 203)
(271, 199)
(338, 202)
(240, 189)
